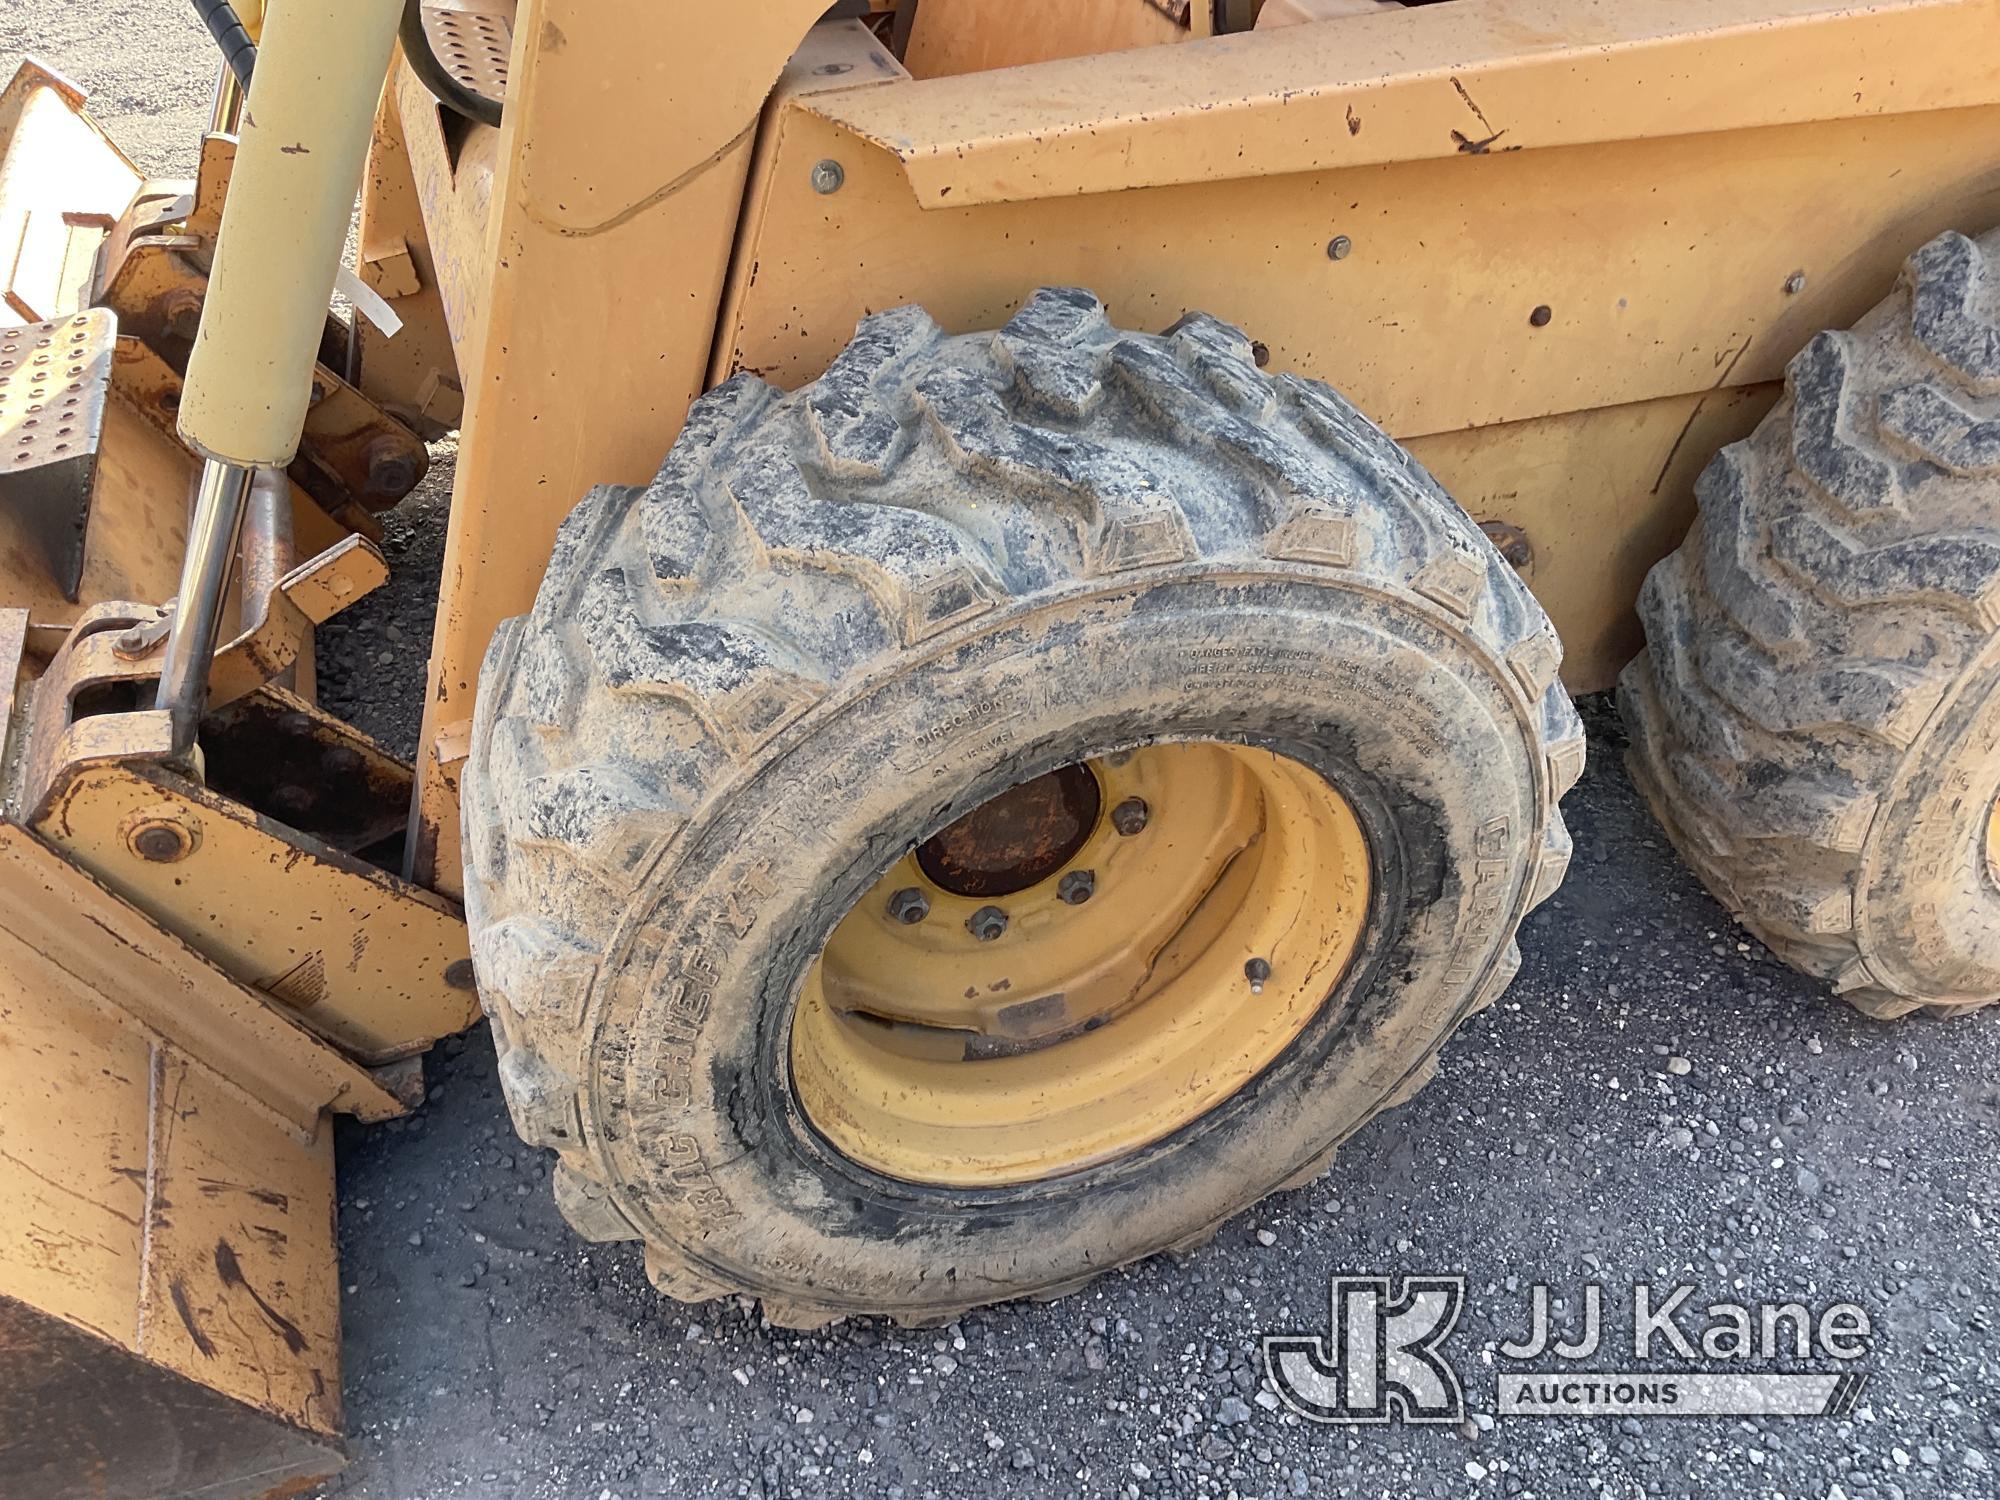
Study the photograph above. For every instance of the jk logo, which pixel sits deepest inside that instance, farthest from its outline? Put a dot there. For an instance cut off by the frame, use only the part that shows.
(1381, 1363)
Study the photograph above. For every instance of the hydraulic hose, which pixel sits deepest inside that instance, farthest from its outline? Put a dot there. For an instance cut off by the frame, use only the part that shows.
(444, 88)
(238, 51)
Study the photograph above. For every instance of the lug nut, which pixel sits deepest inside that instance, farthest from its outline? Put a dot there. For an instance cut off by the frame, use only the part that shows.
(1129, 817)
(908, 906)
(987, 923)
(1257, 971)
(1076, 887)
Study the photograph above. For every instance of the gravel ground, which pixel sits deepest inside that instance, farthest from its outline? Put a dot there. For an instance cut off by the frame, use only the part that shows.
(1656, 1099)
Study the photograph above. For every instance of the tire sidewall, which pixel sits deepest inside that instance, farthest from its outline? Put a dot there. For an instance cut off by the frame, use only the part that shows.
(1929, 904)
(690, 1105)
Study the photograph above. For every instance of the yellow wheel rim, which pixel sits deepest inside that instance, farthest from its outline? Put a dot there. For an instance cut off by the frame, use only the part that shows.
(1189, 908)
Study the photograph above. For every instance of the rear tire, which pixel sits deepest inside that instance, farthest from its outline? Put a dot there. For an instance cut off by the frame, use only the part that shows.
(842, 618)
(1815, 721)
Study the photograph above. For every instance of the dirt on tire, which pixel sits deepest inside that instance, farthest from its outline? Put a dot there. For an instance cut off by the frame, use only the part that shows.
(1815, 721)
(841, 618)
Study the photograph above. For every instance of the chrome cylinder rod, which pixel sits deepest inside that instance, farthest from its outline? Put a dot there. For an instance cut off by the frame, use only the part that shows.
(225, 110)
(267, 551)
(221, 496)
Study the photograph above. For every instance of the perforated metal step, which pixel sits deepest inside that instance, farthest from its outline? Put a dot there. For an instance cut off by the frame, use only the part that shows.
(54, 378)
(473, 38)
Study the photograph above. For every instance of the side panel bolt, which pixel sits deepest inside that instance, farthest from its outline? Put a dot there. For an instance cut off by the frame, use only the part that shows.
(1512, 542)
(1339, 247)
(392, 471)
(987, 923)
(1540, 316)
(459, 975)
(1076, 887)
(180, 311)
(1257, 971)
(1129, 817)
(161, 843)
(909, 906)
(827, 176)
(1795, 283)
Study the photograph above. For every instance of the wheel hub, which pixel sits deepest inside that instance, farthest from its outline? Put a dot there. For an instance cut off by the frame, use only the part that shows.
(1017, 839)
(1041, 987)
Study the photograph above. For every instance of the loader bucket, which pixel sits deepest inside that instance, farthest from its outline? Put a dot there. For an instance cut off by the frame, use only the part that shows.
(169, 1295)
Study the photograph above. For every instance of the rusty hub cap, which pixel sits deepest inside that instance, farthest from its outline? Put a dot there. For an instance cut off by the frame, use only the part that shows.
(1018, 839)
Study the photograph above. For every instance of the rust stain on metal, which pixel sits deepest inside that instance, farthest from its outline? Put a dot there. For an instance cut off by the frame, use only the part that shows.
(306, 770)
(178, 1293)
(1473, 105)
(231, 1272)
(215, 1187)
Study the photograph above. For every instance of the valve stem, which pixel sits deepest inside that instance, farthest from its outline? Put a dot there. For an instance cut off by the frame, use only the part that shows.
(1257, 971)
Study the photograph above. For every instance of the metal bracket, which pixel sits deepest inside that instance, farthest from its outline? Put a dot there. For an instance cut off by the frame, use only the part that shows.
(363, 958)
(354, 458)
(143, 639)
(112, 656)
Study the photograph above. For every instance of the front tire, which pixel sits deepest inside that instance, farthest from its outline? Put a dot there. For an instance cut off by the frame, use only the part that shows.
(752, 695)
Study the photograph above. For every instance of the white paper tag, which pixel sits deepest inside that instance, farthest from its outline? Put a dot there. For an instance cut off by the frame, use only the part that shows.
(367, 301)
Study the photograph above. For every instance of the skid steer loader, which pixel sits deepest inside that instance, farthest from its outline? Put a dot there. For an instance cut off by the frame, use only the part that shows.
(1002, 675)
